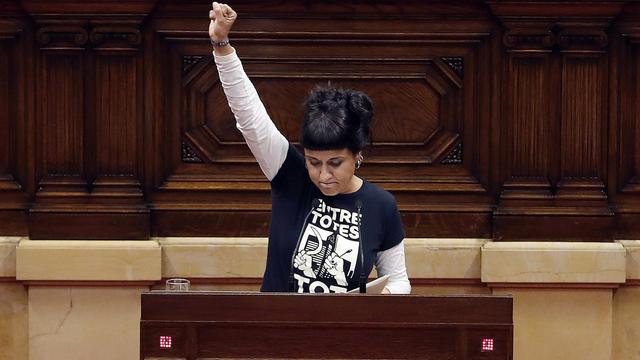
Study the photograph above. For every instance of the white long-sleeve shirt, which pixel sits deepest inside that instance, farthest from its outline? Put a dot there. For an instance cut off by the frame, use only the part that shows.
(270, 147)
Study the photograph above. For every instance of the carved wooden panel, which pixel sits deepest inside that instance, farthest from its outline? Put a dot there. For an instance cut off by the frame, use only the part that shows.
(529, 116)
(556, 96)
(582, 114)
(417, 106)
(61, 114)
(528, 124)
(583, 130)
(90, 130)
(424, 103)
(116, 149)
(507, 120)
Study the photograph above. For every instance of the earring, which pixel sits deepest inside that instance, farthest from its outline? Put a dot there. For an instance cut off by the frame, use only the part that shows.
(359, 161)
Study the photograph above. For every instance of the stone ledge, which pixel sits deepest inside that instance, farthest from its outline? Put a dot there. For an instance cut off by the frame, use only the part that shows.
(443, 258)
(78, 260)
(213, 257)
(632, 248)
(553, 262)
(8, 246)
(229, 258)
(245, 257)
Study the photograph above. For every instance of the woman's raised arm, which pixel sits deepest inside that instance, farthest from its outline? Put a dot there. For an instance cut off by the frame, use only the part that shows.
(267, 144)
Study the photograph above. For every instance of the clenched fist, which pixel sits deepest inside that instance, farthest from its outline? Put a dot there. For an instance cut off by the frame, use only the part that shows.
(222, 18)
(303, 262)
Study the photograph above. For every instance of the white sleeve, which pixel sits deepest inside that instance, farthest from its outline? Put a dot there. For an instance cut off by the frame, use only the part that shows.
(267, 144)
(391, 262)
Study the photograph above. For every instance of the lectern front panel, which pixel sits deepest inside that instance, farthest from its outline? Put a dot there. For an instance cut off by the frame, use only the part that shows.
(202, 325)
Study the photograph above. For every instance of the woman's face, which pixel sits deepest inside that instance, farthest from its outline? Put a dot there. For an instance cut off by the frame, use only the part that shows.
(332, 171)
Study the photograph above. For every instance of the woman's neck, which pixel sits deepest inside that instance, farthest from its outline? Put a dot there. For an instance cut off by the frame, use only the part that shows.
(354, 185)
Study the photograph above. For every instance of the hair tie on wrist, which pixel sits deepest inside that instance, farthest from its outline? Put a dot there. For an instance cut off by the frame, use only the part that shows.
(222, 43)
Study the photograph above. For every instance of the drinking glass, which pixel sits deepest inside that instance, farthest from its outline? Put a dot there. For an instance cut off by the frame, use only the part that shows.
(177, 285)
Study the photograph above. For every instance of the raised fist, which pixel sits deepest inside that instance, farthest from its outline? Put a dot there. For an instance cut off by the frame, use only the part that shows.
(222, 18)
(334, 265)
(303, 262)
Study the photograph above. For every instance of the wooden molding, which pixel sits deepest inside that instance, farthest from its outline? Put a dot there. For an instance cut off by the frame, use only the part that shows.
(72, 35)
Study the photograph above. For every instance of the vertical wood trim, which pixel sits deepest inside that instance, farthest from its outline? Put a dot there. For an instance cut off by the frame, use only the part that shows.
(13, 120)
(116, 115)
(152, 108)
(636, 111)
(528, 116)
(582, 117)
(62, 113)
(629, 122)
(5, 110)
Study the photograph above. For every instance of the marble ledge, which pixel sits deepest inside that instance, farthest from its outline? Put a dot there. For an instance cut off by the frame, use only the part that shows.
(245, 257)
(91, 260)
(213, 257)
(632, 248)
(443, 258)
(427, 258)
(8, 246)
(553, 263)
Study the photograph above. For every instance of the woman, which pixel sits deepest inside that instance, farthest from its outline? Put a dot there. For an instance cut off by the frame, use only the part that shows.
(328, 226)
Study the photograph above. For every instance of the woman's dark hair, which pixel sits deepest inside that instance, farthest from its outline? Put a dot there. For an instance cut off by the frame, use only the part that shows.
(336, 119)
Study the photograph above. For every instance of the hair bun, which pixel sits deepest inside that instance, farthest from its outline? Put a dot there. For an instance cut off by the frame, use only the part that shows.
(360, 105)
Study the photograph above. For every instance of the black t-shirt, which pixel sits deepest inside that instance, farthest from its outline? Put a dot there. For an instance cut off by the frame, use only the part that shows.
(327, 251)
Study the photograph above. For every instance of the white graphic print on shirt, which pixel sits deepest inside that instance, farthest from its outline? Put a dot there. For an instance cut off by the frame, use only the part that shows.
(328, 253)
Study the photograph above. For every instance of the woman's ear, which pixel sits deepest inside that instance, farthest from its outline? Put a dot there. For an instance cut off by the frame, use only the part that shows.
(359, 159)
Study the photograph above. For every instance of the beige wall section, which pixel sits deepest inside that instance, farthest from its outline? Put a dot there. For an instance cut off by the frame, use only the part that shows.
(626, 323)
(626, 308)
(67, 260)
(561, 324)
(563, 295)
(84, 322)
(14, 334)
(13, 304)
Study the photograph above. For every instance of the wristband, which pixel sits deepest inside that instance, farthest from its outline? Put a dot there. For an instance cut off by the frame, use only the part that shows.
(222, 43)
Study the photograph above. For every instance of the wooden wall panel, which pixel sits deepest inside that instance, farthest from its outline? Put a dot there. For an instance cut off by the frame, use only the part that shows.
(627, 187)
(116, 146)
(529, 117)
(5, 109)
(14, 127)
(583, 122)
(61, 113)
(509, 120)
(557, 105)
(89, 129)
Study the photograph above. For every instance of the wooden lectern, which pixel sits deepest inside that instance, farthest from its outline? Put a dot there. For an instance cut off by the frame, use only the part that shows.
(202, 324)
